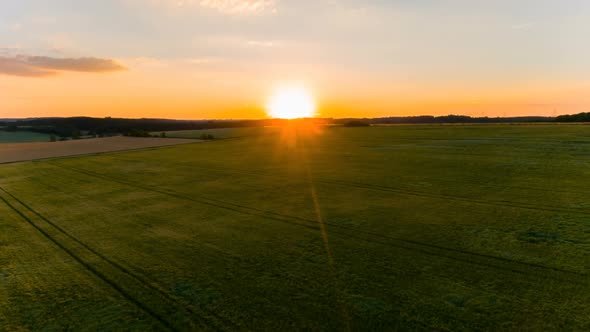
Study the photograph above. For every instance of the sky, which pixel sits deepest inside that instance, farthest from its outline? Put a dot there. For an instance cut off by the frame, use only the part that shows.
(197, 59)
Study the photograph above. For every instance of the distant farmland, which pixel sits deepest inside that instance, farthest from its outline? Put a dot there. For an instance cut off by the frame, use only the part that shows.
(42, 150)
(376, 228)
(223, 133)
(22, 136)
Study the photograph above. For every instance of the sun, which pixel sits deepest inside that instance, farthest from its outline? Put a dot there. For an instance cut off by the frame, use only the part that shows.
(291, 102)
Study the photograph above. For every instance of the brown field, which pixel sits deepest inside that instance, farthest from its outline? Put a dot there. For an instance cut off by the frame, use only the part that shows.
(12, 152)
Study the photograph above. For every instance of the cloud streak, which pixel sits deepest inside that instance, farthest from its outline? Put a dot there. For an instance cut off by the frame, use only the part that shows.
(239, 6)
(43, 66)
(233, 7)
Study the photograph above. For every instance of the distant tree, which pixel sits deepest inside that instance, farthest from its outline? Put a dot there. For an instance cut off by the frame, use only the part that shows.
(580, 117)
(207, 137)
(52, 138)
(356, 123)
(138, 133)
(163, 134)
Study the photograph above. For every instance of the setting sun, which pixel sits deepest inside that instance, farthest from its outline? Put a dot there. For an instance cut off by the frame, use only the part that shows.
(330, 165)
(291, 103)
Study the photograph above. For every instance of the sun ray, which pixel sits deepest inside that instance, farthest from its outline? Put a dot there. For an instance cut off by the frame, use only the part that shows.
(336, 284)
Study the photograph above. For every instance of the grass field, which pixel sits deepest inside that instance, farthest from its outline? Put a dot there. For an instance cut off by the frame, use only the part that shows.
(22, 136)
(380, 228)
(222, 133)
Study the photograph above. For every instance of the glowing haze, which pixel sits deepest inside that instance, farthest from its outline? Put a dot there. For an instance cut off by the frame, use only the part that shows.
(291, 102)
(195, 59)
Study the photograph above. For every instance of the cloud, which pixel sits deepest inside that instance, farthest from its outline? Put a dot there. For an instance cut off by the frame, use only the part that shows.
(239, 41)
(146, 62)
(240, 6)
(15, 67)
(204, 61)
(236, 7)
(93, 65)
(9, 50)
(15, 27)
(41, 66)
(523, 26)
(262, 43)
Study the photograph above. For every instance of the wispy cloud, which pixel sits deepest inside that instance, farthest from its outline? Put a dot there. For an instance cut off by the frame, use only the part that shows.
(262, 43)
(15, 27)
(238, 41)
(204, 61)
(146, 62)
(523, 26)
(42, 66)
(7, 50)
(14, 66)
(240, 6)
(237, 7)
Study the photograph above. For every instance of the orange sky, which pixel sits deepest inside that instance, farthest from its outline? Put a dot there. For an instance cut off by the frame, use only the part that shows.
(223, 59)
(164, 93)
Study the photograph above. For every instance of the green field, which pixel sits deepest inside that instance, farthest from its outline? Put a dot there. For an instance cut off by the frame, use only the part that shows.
(22, 136)
(381, 228)
(221, 133)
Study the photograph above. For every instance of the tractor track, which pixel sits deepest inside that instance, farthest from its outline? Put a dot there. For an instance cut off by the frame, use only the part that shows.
(486, 185)
(259, 174)
(425, 248)
(91, 269)
(176, 303)
(409, 192)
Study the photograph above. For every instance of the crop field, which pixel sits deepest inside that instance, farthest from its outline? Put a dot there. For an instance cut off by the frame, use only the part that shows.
(223, 133)
(42, 150)
(22, 136)
(380, 228)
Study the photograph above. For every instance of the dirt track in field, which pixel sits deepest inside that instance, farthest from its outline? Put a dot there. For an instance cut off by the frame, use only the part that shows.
(13, 152)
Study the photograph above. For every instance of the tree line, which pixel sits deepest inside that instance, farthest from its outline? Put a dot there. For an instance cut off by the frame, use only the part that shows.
(75, 127)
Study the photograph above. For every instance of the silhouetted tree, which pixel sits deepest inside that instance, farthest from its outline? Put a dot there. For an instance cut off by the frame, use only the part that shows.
(356, 123)
(580, 117)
